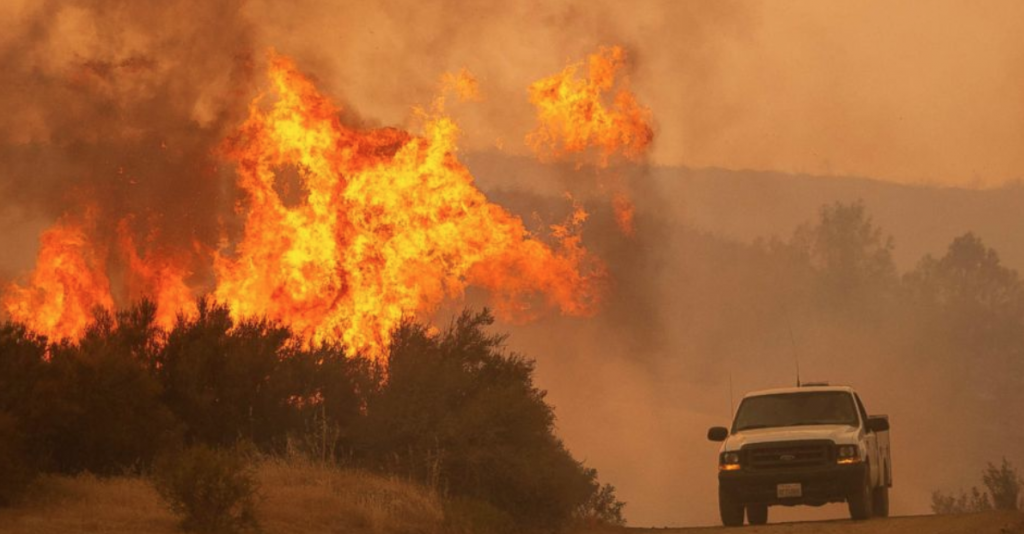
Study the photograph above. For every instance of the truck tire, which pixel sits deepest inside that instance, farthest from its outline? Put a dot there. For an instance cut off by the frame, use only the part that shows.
(880, 501)
(757, 514)
(730, 510)
(860, 500)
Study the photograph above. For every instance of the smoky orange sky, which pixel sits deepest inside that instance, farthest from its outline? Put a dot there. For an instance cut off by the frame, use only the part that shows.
(914, 92)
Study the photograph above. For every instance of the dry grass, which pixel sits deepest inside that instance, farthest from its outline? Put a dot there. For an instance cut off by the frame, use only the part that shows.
(296, 497)
(301, 497)
(88, 504)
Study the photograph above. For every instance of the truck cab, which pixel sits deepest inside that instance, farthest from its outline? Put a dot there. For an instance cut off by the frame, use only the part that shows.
(807, 445)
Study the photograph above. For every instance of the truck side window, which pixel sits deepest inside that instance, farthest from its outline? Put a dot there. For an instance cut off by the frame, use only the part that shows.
(860, 408)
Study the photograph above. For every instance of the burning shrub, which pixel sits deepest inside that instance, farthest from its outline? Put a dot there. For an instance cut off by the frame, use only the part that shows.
(460, 415)
(211, 490)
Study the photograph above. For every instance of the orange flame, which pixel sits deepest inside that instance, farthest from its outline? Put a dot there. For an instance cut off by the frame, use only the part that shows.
(624, 211)
(157, 277)
(70, 281)
(391, 225)
(573, 114)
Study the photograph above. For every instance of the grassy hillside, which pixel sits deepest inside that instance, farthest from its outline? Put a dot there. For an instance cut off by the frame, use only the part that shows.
(296, 498)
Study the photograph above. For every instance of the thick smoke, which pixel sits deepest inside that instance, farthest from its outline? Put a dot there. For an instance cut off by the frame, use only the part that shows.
(118, 107)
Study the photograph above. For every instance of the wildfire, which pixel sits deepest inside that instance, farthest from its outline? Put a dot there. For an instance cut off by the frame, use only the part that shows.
(574, 114)
(70, 281)
(388, 226)
(391, 225)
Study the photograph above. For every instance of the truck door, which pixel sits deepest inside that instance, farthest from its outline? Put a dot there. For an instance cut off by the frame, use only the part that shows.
(871, 440)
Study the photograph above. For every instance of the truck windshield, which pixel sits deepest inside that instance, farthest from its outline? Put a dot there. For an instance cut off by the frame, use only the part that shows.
(796, 409)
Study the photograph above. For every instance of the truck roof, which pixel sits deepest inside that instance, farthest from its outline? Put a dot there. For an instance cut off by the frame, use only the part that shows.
(802, 389)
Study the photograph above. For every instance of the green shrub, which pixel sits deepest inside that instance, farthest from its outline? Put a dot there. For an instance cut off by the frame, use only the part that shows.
(15, 466)
(211, 490)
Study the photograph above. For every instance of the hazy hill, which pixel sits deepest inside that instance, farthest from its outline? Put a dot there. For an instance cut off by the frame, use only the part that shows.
(744, 205)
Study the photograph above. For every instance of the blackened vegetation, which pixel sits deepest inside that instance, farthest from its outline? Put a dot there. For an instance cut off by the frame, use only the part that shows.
(450, 410)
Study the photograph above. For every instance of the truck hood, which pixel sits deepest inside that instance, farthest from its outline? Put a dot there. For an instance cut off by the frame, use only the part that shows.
(840, 434)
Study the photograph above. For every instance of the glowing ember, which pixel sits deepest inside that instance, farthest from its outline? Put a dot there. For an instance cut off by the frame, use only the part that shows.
(624, 211)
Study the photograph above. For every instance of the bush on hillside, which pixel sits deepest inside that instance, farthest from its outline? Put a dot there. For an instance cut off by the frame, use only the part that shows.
(602, 508)
(459, 414)
(211, 490)
(253, 380)
(1004, 488)
(1004, 484)
(97, 403)
(962, 503)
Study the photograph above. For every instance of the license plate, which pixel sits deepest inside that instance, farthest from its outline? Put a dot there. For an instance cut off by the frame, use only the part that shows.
(785, 491)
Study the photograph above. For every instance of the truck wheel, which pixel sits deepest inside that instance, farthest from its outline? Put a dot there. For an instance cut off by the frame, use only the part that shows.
(880, 501)
(757, 514)
(860, 500)
(731, 511)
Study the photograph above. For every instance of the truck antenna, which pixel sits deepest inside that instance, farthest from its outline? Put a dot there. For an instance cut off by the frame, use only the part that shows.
(732, 412)
(792, 343)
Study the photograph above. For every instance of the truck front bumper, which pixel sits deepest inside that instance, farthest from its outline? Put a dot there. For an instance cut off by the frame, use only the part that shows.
(818, 485)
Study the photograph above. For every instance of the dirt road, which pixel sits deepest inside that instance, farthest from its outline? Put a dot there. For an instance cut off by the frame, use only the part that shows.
(986, 523)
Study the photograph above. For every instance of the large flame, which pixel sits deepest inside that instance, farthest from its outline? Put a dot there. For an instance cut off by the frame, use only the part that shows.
(387, 225)
(68, 284)
(391, 225)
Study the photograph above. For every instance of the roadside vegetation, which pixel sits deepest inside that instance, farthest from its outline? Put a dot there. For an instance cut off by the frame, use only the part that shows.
(456, 416)
(1003, 485)
(450, 412)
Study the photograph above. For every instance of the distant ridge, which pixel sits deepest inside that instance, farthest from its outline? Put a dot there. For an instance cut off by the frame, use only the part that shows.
(745, 205)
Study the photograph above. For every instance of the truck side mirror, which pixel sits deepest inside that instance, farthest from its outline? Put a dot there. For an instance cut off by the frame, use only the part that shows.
(718, 433)
(877, 424)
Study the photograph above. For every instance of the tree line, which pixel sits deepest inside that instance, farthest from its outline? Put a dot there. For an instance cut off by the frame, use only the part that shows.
(450, 409)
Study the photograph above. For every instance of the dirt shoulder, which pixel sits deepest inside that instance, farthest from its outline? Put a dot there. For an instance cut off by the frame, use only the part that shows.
(986, 523)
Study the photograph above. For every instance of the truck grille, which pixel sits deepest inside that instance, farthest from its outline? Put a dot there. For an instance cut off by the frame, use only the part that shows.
(790, 455)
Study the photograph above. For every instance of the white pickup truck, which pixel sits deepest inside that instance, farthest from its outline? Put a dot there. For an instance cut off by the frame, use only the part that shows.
(806, 445)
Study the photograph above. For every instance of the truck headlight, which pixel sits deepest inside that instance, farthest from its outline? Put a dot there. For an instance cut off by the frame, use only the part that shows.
(848, 454)
(730, 461)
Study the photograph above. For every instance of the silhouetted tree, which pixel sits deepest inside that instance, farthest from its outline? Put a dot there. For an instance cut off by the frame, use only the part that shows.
(1004, 484)
(969, 312)
(850, 254)
(98, 405)
(252, 380)
(458, 413)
